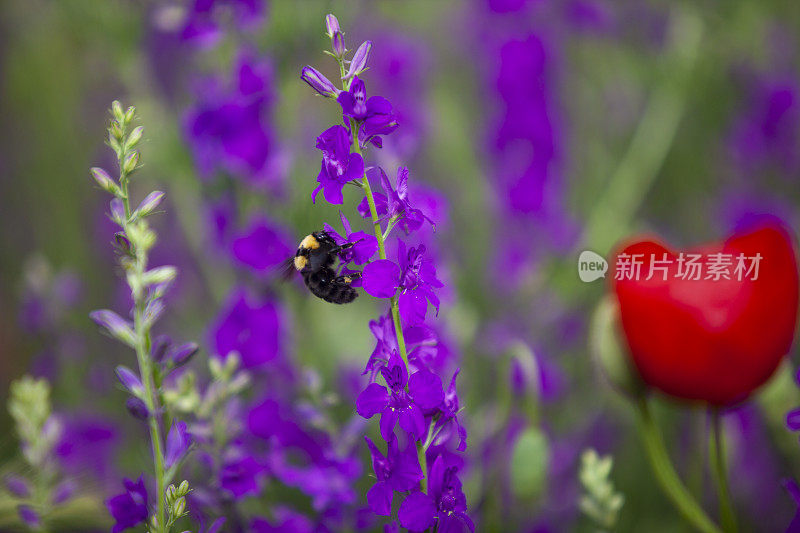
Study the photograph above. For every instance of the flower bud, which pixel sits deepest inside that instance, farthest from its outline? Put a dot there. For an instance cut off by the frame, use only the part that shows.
(123, 244)
(116, 111)
(150, 203)
(359, 61)
(160, 347)
(18, 486)
(338, 45)
(114, 325)
(160, 274)
(118, 211)
(129, 113)
(116, 130)
(134, 137)
(183, 488)
(137, 408)
(184, 353)
(331, 25)
(318, 82)
(608, 349)
(171, 493)
(131, 160)
(179, 507)
(104, 180)
(29, 516)
(130, 380)
(64, 491)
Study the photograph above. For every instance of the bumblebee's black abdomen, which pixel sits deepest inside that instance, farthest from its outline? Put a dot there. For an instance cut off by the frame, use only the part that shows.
(326, 285)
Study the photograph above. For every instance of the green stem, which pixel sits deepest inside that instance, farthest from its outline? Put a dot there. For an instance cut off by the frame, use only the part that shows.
(716, 446)
(665, 472)
(146, 369)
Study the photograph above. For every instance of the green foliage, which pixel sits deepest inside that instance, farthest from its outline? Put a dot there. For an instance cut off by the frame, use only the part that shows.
(600, 502)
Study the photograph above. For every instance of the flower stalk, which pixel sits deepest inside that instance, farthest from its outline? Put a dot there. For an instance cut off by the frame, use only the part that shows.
(665, 472)
(716, 447)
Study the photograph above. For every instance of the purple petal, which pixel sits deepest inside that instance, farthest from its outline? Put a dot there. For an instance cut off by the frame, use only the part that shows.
(365, 246)
(178, 442)
(412, 421)
(130, 380)
(372, 400)
(380, 278)
(387, 423)
(355, 168)
(413, 307)
(379, 498)
(426, 389)
(417, 512)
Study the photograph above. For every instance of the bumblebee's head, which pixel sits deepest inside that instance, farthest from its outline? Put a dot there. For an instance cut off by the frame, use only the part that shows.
(300, 262)
(309, 242)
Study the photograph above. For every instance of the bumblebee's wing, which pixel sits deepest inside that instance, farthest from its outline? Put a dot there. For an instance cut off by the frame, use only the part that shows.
(284, 271)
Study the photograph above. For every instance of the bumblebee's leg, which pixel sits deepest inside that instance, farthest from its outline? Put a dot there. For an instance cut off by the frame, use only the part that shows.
(348, 279)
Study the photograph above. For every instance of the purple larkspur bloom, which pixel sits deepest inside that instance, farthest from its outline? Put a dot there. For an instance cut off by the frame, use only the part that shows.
(251, 327)
(228, 128)
(449, 423)
(130, 507)
(262, 246)
(88, 445)
(394, 203)
(414, 275)
(364, 244)
(241, 477)
(396, 404)
(338, 166)
(178, 442)
(397, 471)
(445, 504)
(374, 115)
(202, 24)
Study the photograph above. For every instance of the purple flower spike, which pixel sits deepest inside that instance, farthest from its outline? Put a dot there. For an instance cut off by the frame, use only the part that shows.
(381, 278)
(178, 442)
(130, 380)
(129, 508)
(18, 486)
(339, 166)
(359, 62)
(317, 81)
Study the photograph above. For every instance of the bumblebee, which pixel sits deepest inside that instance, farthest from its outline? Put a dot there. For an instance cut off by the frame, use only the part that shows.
(314, 259)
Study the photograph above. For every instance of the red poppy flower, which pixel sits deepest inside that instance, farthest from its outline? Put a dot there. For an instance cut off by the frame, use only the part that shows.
(699, 336)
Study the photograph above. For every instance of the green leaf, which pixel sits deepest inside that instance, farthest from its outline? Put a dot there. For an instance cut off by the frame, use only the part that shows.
(529, 464)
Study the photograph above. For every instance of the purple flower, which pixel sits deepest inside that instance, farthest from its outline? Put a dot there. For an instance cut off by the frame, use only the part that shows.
(396, 472)
(178, 442)
(137, 408)
(375, 114)
(253, 328)
(449, 419)
(130, 380)
(129, 508)
(202, 26)
(240, 477)
(262, 246)
(394, 204)
(339, 166)
(228, 128)
(364, 244)
(395, 403)
(414, 275)
(444, 505)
